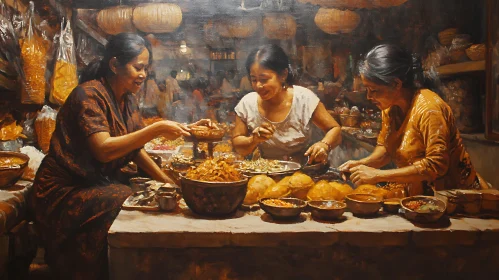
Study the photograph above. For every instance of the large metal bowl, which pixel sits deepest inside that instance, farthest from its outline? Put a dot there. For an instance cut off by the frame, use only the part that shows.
(213, 198)
(10, 175)
(289, 167)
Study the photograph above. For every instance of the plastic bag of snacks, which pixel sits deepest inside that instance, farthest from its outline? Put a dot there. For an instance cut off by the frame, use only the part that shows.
(64, 78)
(33, 54)
(35, 159)
(45, 126)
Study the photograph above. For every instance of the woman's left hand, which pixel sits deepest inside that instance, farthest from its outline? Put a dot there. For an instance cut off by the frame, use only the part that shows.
(362, 174)
(205, 122)
(318, 152)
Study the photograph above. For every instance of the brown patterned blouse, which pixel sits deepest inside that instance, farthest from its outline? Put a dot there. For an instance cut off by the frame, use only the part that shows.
(429, 140)
(92, 108)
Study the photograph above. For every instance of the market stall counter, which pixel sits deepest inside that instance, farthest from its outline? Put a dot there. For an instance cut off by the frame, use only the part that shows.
(252, 245)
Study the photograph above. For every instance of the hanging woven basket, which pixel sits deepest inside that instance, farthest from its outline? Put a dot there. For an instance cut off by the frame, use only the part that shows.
(211, 36)
(240, 27)
(279, 26)
(334, 21)
(157, 18)
(387, 3)
(116, 20)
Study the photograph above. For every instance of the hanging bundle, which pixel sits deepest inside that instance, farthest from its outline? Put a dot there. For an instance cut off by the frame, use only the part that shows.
(279, 26)
(116, 20)
(334, 21)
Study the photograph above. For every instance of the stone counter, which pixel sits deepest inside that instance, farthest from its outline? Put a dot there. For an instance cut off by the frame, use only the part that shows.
(251, 245)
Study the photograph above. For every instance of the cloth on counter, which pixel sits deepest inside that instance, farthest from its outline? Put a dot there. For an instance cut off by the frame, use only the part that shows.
(293, 135)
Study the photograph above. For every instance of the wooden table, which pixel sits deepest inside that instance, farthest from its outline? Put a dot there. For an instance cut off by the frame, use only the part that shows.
(251, 245)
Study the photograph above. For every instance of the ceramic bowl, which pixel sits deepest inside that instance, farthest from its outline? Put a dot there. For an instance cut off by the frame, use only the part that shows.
(423, 216)
(363, 204)
(283, 212)
(326, 209)
(391, 205)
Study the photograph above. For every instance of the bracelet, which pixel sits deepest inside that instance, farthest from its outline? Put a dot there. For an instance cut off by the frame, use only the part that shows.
(328, 145)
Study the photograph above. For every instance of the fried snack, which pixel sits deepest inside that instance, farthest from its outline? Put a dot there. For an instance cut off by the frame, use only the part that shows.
(323, 190)
(206, 133)
(371, 189)
(63, 81)
(161, 143)
(344, 189)
(215, 170)
(278, 203)
(257, 186)
(11, 162)
(396, 190)
(281, 189)
(33, 54)
(11, 131)
(300, 184)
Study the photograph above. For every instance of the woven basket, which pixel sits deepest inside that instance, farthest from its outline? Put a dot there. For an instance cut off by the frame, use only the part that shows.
(279, 26)
(116, 20)
(476, 52)
(445, 37)
(44, 129)
(334, 21)
(157, 18)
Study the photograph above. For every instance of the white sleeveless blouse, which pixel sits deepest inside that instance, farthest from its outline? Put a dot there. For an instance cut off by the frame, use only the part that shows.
(292, 136)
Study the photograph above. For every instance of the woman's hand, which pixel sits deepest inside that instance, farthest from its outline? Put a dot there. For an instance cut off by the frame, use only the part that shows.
(263, 133)
(204, 122)
(318, 152)
(173, 130)
(362, 174)
(347, 166)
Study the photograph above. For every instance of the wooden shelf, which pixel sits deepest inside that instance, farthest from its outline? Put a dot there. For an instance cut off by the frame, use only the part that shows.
(461, 68)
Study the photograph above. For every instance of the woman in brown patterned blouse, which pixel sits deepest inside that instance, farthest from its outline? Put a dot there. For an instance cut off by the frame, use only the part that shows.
(418, 129)
(99, 130)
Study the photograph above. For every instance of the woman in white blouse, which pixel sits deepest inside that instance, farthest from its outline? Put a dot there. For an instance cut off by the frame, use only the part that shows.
(278, 115)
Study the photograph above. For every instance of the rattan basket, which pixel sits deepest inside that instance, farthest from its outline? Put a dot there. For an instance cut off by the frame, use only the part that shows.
(476, 52)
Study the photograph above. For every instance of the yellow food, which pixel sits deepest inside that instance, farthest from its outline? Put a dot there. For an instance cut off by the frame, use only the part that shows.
(33, 54)
(278, 203)
(63, 81)
(281, 189)
(257, 186)
(371, 189)
(300, 184)
(11, 131)
(323, 190)
(344, 189)
(214, 170)
(44, 129)
(9, 162)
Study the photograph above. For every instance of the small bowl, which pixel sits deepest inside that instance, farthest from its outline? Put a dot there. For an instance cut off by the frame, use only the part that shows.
(391, 205)
(139, 183)
(281, 212)
(207, 134)
(167, 200)
(363, 204)
(423, 217)
(327, 209)
(10, 175)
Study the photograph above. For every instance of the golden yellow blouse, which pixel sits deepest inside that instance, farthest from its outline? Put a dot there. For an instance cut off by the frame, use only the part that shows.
(429, 140)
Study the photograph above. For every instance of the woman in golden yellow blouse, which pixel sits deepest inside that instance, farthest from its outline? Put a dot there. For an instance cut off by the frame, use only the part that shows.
(418, 129)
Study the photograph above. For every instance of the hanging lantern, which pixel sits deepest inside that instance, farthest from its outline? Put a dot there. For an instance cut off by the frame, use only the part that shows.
(240, 27)
(279, 26)
(116, 20)
(334, 21)
(157, 18)
(341, 4)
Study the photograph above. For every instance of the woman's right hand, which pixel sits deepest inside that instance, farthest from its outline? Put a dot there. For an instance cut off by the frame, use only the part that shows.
(173, 130)
(345, 167)
(263, 133)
